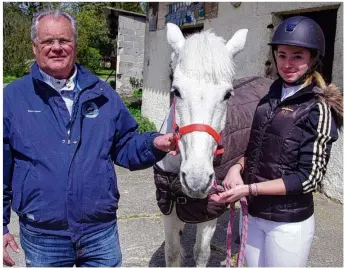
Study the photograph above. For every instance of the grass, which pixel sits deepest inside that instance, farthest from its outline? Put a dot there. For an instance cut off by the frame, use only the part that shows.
(103, 74)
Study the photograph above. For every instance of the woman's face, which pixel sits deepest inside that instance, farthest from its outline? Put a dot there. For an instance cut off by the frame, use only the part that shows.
(292, 62)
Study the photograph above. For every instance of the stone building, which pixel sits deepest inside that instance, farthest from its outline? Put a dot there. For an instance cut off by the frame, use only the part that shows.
(224, 18)
(128, 29)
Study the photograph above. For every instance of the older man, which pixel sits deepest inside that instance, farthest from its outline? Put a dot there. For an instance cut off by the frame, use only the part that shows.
(63, 131)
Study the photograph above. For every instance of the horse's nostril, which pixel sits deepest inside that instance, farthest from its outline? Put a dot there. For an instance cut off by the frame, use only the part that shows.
(211, 177)
(183, 177)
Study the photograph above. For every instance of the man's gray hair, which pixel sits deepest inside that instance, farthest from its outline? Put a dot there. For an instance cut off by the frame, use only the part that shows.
(53, 13)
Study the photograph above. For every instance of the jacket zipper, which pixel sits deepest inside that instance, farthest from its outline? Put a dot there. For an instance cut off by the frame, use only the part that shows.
(73, 117)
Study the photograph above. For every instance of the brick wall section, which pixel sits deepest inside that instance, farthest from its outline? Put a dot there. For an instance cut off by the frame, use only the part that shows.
(131, 34)
(211, 10)
(162, 12)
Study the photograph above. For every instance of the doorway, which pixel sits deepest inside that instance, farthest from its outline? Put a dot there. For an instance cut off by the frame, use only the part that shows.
(327, 20)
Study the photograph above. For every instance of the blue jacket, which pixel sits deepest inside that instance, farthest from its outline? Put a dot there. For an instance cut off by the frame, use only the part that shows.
(59, 171)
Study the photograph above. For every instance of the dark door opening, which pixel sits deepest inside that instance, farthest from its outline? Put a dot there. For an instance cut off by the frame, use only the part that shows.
(327, 20)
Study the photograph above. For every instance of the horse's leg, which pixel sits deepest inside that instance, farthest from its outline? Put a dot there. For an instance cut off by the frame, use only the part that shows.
(205, 232)
(173, 228)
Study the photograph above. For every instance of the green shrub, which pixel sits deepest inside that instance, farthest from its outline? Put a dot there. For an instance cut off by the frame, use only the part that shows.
(112, 84)
(136, 82)
(137, 92)
(145, 124)
(133, 104)
(17, 48)
(9, 78)
(90, 58)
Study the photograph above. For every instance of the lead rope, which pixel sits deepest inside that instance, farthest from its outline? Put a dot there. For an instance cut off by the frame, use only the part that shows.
(244, 235)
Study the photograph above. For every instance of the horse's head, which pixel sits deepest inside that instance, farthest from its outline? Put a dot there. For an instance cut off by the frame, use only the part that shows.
(203, 72)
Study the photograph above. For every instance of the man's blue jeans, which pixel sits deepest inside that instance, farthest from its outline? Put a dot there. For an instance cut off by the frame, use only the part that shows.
(93, 250)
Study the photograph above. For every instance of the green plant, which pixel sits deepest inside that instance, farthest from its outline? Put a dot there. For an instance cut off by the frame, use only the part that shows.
(137, 92)
(136, 82)
(112, 84)
(17, 47)
(134, 107)
(145, 124)
(90, 58)
(9, 78)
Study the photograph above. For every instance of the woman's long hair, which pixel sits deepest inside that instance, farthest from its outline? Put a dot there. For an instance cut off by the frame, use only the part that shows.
(331, 95)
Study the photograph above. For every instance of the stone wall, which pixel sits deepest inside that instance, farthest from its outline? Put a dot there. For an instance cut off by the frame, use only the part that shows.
(130, 50)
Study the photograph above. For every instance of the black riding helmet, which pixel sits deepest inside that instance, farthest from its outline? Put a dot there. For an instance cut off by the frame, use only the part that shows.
(302, 32)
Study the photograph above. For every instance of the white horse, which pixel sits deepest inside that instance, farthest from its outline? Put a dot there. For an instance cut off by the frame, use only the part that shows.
(203, 72)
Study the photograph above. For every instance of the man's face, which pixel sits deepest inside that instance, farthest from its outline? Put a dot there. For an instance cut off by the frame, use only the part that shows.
(55, 46)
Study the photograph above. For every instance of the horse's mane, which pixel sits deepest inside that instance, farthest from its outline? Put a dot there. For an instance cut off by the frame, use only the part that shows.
(205, 57)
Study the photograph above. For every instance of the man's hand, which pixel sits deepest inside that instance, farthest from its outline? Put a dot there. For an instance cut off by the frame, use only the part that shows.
(9, 240)
(166, 143)
(233, 178)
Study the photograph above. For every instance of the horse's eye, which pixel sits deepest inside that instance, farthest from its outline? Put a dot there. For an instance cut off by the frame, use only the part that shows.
(176, 92)
(227, 95)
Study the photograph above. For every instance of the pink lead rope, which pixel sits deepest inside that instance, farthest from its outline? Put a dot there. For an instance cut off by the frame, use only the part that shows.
(244, 235)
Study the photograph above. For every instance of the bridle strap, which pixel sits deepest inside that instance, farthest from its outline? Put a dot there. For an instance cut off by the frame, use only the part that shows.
(180, 131)
(202, 128)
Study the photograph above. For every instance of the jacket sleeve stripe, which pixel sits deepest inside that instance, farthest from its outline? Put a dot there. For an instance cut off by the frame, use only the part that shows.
(323, 140)
(319, 149)
(326, 139)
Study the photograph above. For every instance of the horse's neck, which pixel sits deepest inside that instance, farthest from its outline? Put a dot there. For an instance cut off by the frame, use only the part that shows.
(170, 163)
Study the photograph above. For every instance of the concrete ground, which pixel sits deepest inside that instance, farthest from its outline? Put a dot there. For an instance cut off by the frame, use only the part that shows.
(142, 236)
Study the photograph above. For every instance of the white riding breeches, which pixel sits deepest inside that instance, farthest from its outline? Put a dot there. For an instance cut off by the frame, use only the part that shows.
(279, 244)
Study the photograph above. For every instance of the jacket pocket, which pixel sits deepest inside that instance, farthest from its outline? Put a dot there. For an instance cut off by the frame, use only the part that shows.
(101, 195)
(26, 201)
(113, 193)
(20, 174)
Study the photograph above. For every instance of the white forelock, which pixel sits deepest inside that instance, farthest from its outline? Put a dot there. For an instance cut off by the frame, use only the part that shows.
(204, 56)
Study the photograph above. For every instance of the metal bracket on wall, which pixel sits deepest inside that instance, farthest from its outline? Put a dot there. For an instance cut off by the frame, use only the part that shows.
(236, 4)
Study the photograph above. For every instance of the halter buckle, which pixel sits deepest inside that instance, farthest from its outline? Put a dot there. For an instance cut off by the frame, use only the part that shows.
(181, 200)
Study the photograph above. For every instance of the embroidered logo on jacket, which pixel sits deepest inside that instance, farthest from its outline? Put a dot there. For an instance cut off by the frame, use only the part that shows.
(90, 109)
(286, 110)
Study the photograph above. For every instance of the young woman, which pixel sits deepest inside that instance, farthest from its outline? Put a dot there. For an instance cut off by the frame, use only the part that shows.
(293, 129)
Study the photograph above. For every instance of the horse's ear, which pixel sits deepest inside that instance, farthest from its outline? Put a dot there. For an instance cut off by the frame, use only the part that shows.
(237, 42)
(175, 37)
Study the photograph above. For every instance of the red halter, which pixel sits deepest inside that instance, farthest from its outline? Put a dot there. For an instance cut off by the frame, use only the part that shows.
(196, 127)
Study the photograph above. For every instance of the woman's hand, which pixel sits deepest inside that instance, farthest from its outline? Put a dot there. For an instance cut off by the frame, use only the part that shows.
(231, 195)
(233, 177)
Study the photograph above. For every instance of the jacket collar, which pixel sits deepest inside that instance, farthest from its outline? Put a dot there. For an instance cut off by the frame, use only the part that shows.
(85, 78)
(276, 91)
